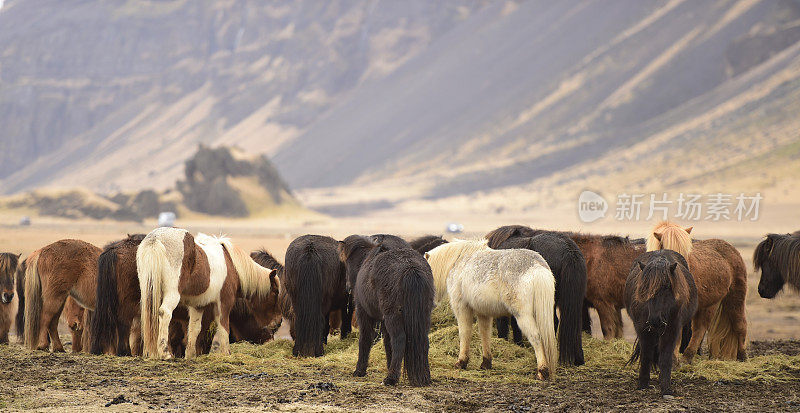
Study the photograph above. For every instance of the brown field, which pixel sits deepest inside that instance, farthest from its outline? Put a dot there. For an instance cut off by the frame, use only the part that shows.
(268, 378)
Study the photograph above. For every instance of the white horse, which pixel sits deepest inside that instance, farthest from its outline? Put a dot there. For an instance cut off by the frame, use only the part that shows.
(176, 268)
(491, 283)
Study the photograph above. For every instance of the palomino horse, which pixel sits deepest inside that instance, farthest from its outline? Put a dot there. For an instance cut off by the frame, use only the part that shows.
(426, 243)
(8, 267)
(721, 278)
(569, 269)
(661, 298)
(314, 279)
(63, 268)
(176, 268)
(393, 286)
(608, 262)
(778, 259)
(497, 283)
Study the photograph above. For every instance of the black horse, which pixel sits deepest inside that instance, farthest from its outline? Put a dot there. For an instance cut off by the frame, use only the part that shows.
(394, 286)
(661, 298)
(778, 258)
(569, 269)
(314, 279)
(426, 243)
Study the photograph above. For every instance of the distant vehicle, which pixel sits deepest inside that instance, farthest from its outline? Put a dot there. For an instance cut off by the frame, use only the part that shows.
(454, 228)
(25, 221)
(166, 219)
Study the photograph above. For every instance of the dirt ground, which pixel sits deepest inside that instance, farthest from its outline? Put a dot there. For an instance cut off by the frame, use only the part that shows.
(269, 378)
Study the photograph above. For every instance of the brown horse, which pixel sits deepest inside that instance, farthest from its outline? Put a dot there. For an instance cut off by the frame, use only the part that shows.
(608, 262)
(778, 259)
(721, 278)
(63, 268)
(8, 267)
(199, 272)
(76, 318)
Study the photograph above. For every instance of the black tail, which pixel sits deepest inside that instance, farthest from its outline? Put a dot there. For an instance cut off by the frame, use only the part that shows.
(417, 307)
(307, 303)
(103, 330)
(686, 336)
(637, 352)
(20, 319)
(570, 304)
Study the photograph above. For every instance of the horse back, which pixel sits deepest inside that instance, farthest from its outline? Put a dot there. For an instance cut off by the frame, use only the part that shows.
(717, 267)
(70, 266)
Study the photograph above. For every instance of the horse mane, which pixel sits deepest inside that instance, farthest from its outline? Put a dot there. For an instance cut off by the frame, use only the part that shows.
(426, 243)
(658, 268)
(8, 263)
(498, 236)
(667, 235)
(253, 278)
(443, 258)
(263, 258)
(131, 238)
(785, 253)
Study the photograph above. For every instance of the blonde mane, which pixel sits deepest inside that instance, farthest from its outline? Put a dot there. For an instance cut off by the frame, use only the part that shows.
(443, 258)
(667, 235)
(253, 278)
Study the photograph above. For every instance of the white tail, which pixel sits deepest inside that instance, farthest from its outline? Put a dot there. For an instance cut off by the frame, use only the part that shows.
(151, 262)
(543, 303)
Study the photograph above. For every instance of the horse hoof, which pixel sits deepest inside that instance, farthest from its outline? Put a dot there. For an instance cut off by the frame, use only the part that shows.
(461, 364)
(486, 364)
(390, 381)
(544, 373)
(741, 357)
(359, 373)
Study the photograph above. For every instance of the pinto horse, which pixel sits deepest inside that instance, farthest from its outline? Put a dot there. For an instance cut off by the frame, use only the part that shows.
(497, 283)
(63, 268)
(608, 262)
(176, 268)
(569, 269)
(314, 279)
(393, 287)
(8, 267)
(661, 298)
(778, 259)
(721, 278)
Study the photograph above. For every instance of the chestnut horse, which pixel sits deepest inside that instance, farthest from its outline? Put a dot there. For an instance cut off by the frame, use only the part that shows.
(608, 262)
(176, 268)
(721, 278)
(778, 259)
(63, 268)
(8, 267)
(76, 319)
(314, 279)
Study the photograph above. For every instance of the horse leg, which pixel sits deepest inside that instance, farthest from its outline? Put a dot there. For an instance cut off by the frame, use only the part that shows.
(607, 314)
(395, 328)
(347, 319)
(518, 337)
(135, 338)
(618, 323)
(123, 337)
(587, 319)
(666, 348)
(168, 304)
(193, 330)
(222, 340)
(502, 327)
(51, 313)
(528, 326)
(646, 345)
(485, 330)
(387, 346)
(366, 327)
(700, 324)
(464, 318)
(327, 330)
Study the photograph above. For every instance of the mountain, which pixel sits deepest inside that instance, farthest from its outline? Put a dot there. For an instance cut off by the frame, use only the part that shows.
(388, 104)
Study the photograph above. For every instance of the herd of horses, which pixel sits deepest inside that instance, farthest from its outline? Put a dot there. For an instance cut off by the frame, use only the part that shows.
(171, 294)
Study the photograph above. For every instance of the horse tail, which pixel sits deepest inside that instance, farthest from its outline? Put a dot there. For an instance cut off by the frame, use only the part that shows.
(418, 292)
(543, 303)
(637, 352)
(570, 304)
(104, 322)
(151, 262)
(307, 304)
(19, 322)
(33, 302)
(729, 325)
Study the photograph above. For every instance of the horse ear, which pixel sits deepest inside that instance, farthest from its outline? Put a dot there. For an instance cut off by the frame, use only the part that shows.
(19, 255)
(657, 235)
(640, 266)
(689, 230)
(673, 267)
(426, 255)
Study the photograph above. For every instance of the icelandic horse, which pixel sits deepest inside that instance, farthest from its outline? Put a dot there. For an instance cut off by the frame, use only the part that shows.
(721, 278)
